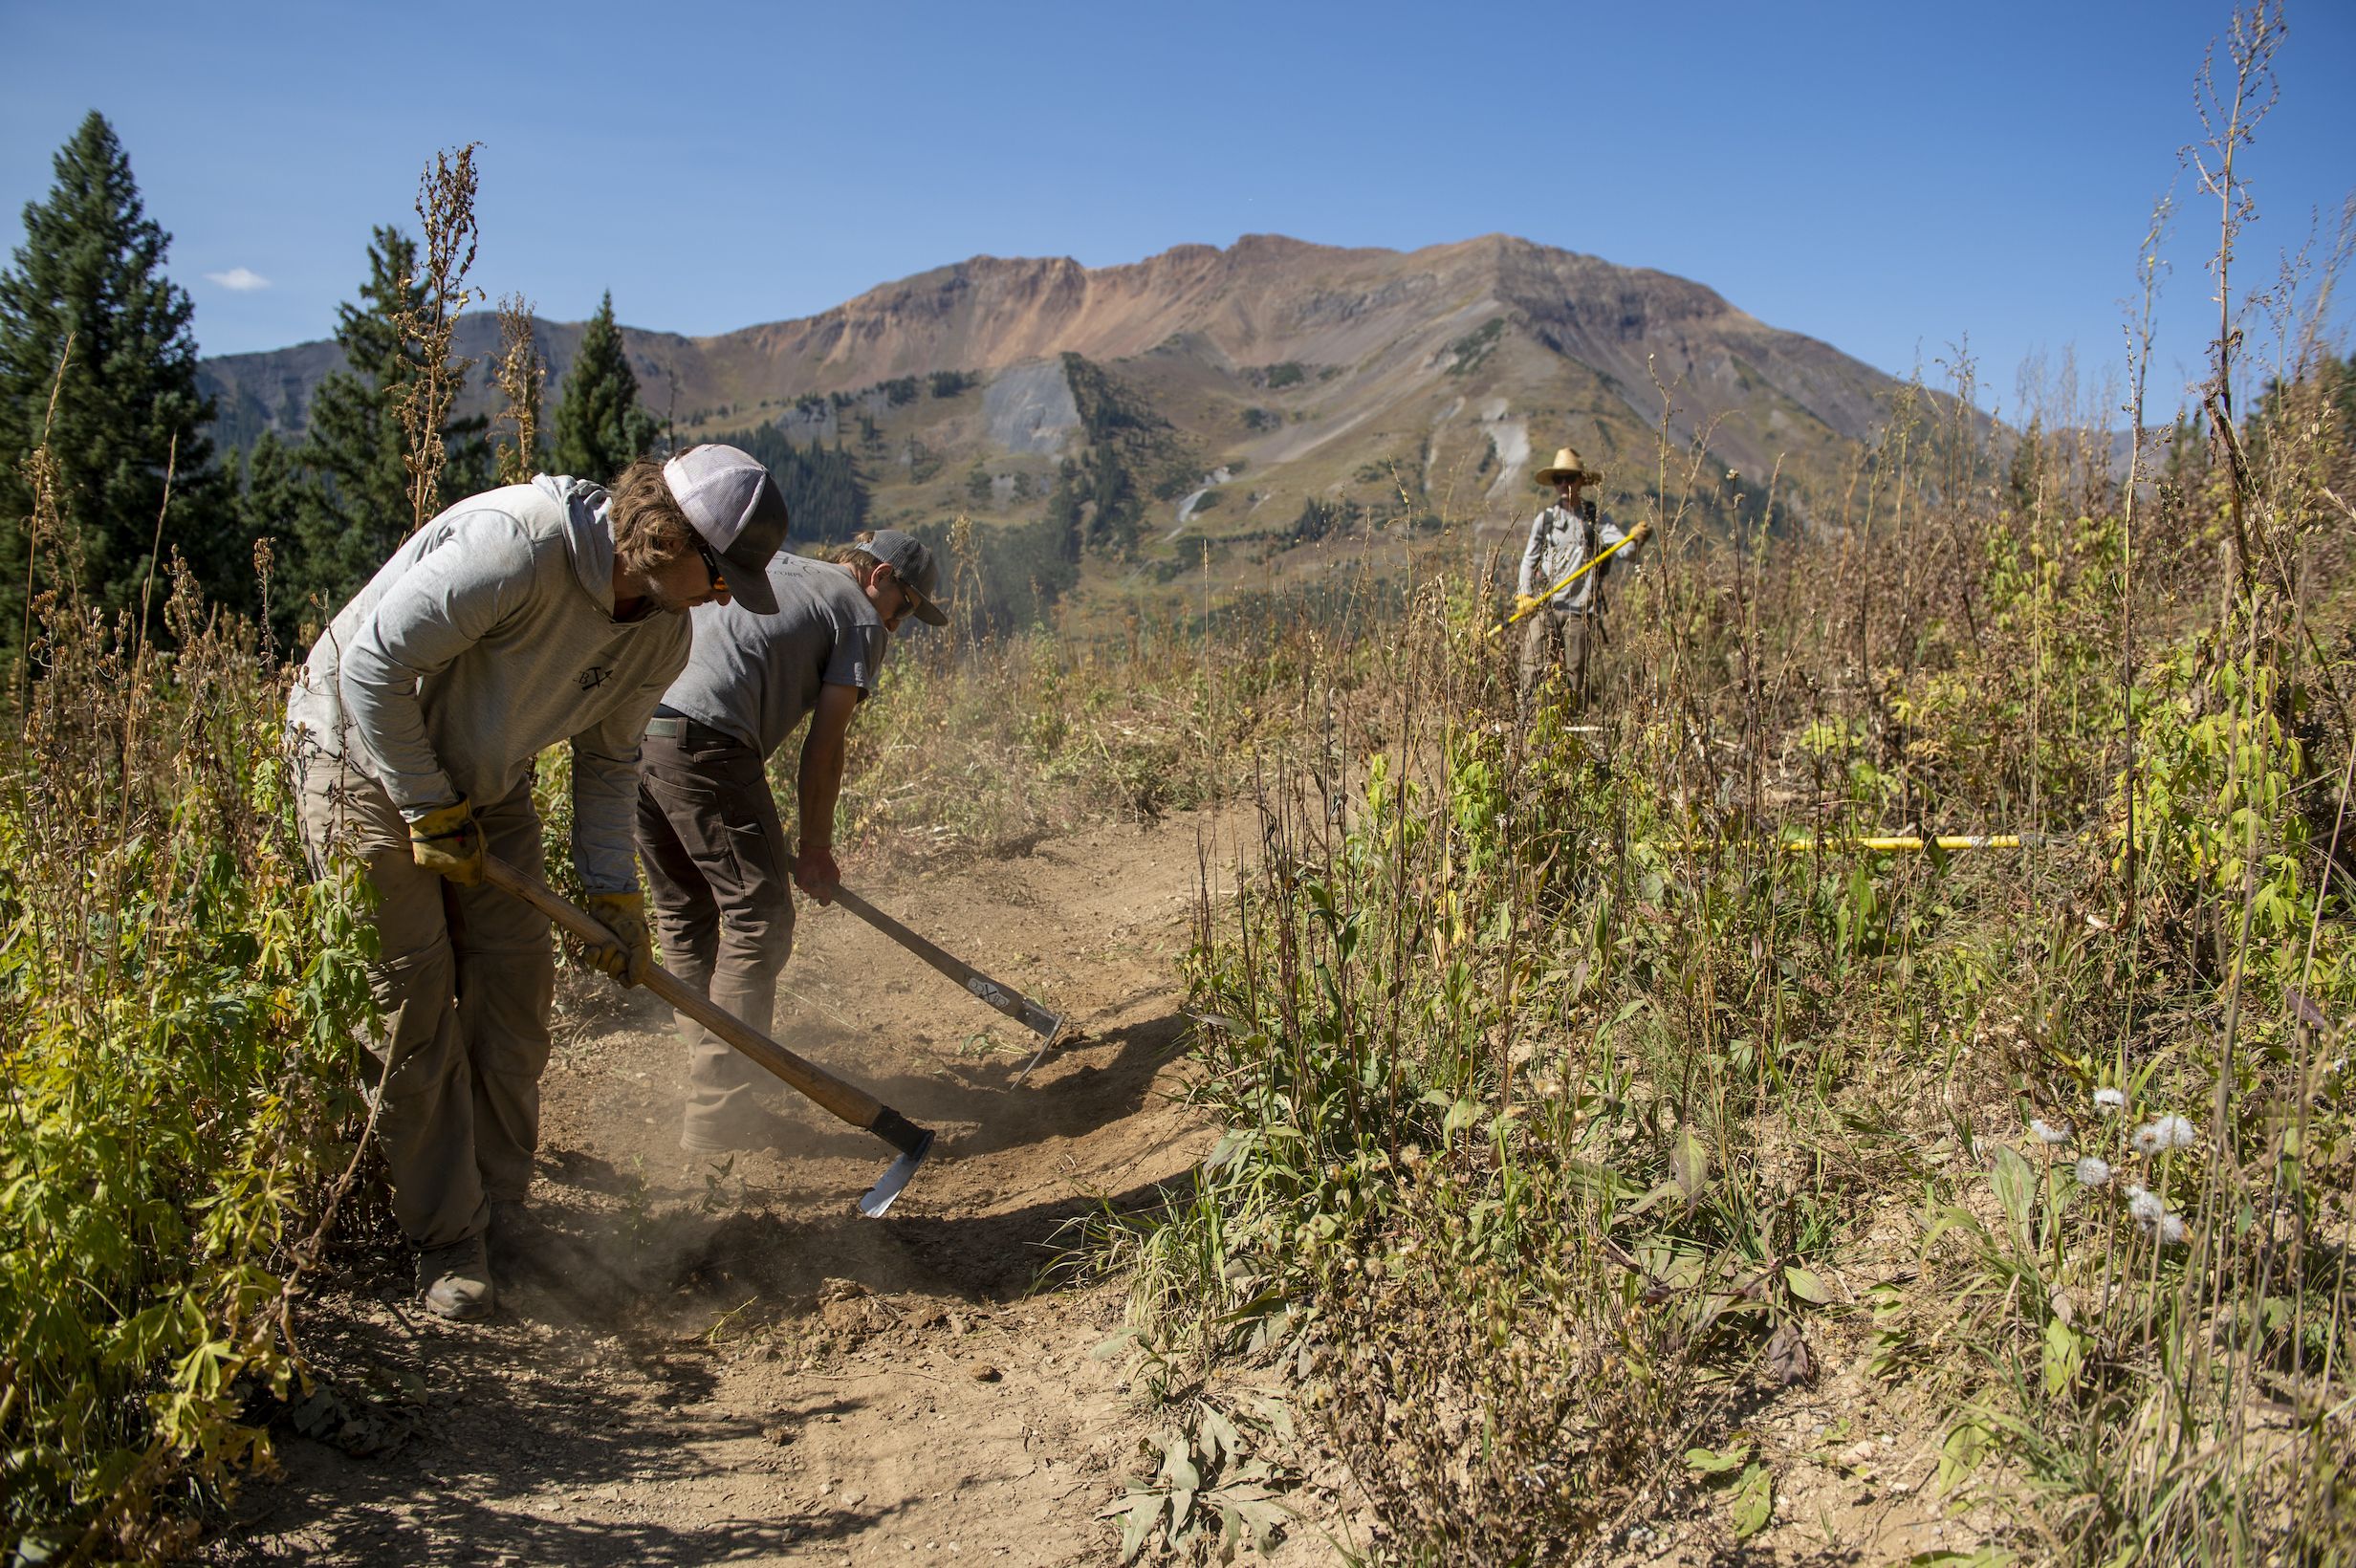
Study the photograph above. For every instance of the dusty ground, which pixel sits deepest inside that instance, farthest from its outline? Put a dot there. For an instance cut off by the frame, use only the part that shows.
(719, 1360)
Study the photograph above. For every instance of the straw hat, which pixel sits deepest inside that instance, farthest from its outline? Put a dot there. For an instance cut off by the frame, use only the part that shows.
(1566, 466)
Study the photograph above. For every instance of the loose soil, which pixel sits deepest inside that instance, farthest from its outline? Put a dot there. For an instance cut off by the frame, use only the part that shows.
(717, 1360)
(709, 1360)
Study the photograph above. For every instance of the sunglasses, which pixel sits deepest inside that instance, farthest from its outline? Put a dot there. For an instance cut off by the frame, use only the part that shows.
(711, 564)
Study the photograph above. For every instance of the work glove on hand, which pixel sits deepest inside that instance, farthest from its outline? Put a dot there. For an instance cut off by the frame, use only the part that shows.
(447, 841)
(1524, 603)
(1642, 531)
(630, 957)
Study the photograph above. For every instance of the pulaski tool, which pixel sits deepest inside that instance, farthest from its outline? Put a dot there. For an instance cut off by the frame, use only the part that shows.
(1013, 1003)
(847, 1101)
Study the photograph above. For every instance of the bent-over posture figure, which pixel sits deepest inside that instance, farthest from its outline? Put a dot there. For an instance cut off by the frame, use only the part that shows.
(536, 613)
(708, 825)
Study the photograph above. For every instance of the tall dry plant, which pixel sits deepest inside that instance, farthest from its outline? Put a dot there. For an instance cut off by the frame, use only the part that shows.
(446, 207)
(519, 375)
(40, 472)
(2232, 100)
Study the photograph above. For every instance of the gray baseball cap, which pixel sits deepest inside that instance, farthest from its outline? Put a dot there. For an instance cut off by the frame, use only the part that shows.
(915, 568)
(735, 507)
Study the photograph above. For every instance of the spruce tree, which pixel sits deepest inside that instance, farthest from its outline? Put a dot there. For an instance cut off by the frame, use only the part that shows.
(353, 509)
(601, 429)
(127, 406)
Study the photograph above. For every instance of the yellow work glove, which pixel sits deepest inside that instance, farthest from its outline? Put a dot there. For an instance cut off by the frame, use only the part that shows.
(630, 957)
(447, 841)
(1524, 603)
(1640, 533)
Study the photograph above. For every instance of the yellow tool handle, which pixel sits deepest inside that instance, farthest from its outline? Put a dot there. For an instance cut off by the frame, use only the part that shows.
(847, 1101)
(1598, 559)
(1904, 842)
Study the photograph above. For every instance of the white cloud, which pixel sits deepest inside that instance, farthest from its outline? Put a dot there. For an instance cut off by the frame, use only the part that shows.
(241, 279)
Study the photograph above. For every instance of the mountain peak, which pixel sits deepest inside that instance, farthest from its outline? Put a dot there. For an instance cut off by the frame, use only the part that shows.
(1310, 365)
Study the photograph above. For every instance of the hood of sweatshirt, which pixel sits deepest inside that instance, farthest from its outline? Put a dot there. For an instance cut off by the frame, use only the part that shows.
(588, 534)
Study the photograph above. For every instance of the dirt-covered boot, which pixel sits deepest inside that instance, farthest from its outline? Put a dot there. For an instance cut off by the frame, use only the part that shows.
(454, 1281)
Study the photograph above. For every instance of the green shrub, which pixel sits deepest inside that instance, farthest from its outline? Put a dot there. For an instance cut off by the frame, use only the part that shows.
(180, 1003)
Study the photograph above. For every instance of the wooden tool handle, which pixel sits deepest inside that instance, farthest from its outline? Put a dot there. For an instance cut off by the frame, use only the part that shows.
(847, 1101)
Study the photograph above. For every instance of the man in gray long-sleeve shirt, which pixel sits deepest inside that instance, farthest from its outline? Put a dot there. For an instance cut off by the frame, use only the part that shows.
(521, 617)
(708, 826)
(1561, 631)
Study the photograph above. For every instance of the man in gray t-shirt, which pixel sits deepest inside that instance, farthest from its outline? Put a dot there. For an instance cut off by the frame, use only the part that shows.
(708, 832)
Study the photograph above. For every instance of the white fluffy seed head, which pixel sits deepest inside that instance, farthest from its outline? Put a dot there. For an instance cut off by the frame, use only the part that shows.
(2147, 1139)
(2108, 1100)
(2145, 1207)
(2093, 1172)
(2170, 1230)
(2047, 1133)
(2175, 1132)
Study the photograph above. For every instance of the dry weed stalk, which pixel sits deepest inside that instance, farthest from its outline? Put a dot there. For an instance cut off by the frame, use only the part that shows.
(520, 377)
(2230, 117)
(446, 207)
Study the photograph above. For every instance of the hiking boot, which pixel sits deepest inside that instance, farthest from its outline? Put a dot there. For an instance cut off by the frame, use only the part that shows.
(454, 1281)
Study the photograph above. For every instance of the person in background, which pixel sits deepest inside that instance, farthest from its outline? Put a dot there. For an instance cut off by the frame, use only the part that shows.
(709, 829)
(1560, 635)
(554, 611)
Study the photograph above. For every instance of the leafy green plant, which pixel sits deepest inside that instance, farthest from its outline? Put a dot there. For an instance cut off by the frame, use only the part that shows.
(180, 1003)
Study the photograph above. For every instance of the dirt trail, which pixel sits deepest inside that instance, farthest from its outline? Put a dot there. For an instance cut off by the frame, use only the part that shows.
(719, 1362)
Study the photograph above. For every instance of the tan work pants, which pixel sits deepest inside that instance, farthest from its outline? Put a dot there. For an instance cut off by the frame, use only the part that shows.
(720, 875)
(1556, 642)
(464, 977)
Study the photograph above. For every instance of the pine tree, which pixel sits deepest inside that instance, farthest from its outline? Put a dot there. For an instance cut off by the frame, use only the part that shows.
(352, 510)
(601, 429)
(127, 406)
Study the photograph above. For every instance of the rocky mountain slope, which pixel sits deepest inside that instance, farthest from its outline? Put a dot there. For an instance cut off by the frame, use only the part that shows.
(1272, 391)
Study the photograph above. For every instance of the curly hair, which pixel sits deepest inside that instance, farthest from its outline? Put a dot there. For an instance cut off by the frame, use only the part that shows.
(855, 553)
(649, 530)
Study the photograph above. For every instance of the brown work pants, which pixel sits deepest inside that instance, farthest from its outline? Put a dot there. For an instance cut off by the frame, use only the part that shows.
(464, 979)
(719, 873)
(1559, 643)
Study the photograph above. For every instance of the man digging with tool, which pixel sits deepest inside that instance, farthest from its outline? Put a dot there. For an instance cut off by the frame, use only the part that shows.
(1561, 631)
(539, 613)
(708, 826)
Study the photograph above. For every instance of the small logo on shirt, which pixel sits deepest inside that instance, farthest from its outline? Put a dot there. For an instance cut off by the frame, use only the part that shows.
(592, 677)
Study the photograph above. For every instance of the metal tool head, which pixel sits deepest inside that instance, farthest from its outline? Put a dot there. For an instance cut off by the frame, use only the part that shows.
(1054, 1033)
(880, 1196)
(1016, 1006)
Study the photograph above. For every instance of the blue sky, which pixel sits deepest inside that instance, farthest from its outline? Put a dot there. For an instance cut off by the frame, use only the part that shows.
(1891, 178)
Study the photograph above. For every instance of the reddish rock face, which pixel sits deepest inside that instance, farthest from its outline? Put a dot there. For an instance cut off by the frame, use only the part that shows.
(1305, 366)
